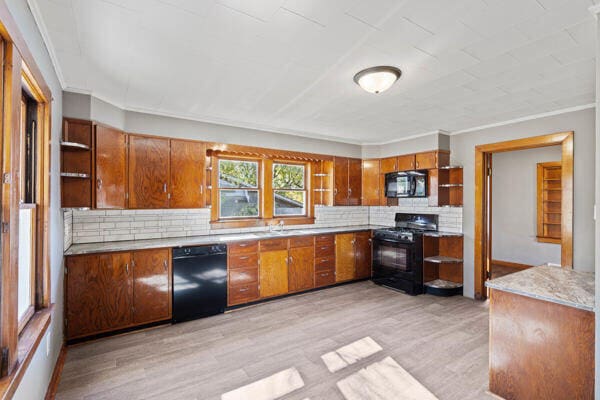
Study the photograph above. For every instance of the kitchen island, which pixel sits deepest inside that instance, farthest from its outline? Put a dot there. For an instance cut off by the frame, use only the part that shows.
(542, 334)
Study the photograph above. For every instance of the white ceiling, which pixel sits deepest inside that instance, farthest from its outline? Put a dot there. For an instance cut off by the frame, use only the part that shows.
(287, 65)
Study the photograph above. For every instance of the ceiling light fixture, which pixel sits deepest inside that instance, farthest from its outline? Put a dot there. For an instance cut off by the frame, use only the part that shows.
(377, 79)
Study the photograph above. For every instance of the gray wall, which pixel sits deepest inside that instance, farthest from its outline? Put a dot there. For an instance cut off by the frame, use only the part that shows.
(514, 207)
(36, 379)
(583, 124)
(137, 122)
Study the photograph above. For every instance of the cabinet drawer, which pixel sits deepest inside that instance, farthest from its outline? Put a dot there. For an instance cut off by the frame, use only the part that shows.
(243, 294)
(273, 244)
(243, 276)
(248, 260)
(324, 278)
(302, 241)
(324, 239)
(243, 247)
(327, 250)
(324, 263)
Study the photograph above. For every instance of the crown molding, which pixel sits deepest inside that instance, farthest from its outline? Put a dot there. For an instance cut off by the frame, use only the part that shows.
(527, 118)
(39, 21)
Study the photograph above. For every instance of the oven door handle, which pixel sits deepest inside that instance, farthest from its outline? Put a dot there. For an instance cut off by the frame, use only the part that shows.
(393, 243)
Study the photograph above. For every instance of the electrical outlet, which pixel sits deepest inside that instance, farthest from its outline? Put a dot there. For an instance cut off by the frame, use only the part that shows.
(48, 340)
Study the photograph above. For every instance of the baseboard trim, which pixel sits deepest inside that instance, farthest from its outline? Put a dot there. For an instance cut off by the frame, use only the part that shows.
(511, 264)
(56, 374)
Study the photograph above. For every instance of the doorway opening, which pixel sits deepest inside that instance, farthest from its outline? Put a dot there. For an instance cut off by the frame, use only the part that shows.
(484, 260)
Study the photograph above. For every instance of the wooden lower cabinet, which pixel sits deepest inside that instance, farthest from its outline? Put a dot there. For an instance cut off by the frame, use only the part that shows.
(273, 273)
(151, 285)
(106, 292)
(301, 268)
(344, 257)
(363, 251)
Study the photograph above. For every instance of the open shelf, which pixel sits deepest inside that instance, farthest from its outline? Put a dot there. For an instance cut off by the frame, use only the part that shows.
(451, 167)
(450, 185)
(75, 146)
(443, 260)
(74, 175)
(443, 284)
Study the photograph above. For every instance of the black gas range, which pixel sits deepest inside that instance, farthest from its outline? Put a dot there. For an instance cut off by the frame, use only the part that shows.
(398, 252)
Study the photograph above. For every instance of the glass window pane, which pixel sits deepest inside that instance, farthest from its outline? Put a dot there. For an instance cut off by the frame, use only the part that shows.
(289, 202)
(238, 203)
(288, 176)
(26, 260)
(238, 174)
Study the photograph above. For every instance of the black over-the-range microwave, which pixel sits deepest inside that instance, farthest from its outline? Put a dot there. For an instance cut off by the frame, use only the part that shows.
(406, 184)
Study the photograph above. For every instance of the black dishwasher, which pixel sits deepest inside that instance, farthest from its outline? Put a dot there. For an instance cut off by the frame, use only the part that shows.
(199, 281)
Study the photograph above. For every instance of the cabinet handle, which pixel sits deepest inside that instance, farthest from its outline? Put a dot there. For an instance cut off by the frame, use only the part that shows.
(417, 164)
(244, 289)
(335, 191)
(324, 247)
(99, 183)
(165, 264)
(349, 190)
(201, 189)
(127, 268)
(291, 259)
(165, 187)
(324, 259)
(244, 258)
(325, 274)
(243, 244)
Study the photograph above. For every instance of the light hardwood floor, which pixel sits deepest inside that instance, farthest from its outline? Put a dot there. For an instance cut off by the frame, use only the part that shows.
(442, 342)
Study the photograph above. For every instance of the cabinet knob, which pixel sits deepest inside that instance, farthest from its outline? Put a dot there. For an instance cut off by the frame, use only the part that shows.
(127, 268)
(291, 259)
(165, 187)
(99, 183)
(417, 164)
(165, 264)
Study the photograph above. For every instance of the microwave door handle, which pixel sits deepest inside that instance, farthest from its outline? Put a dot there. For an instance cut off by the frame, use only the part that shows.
(413, 186)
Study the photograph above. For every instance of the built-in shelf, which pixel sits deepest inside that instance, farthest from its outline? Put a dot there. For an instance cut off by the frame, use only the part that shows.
(442, 260)
(320, 174)
(450, 185)
(75, 146)
(75, 208)
(443, 284)
(74, 175)
(322, 190)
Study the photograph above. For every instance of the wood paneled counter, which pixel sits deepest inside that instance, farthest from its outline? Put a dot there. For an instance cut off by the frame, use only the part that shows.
(542, 334)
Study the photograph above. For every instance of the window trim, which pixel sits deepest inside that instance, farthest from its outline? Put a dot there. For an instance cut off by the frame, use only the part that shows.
(305, 190)
(216, 203)
(266, 207)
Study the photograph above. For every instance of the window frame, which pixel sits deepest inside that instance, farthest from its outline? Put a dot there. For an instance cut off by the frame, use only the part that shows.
(305, 190)
(258, 188)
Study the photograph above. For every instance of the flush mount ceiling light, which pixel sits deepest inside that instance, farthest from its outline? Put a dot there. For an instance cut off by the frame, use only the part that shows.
(377, 79)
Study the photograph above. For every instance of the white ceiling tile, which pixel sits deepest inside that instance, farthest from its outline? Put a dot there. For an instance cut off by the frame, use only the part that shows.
(262, 10)
(543, 47)
(556, 19)
(497, 44)
(498, 16)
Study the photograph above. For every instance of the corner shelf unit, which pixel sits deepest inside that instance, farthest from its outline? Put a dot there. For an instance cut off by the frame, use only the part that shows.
(322, 182)
(76, 156)
(443, 265)
(450, 186)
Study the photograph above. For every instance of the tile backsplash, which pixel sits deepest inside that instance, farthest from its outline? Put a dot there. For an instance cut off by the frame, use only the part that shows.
(115, 225)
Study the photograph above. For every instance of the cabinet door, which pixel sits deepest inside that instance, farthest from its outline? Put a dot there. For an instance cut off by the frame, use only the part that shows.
(187, 173)
(344, 257)
(370, 183)
(340, 192)
(362, 248)
(406, 162)
(151, 285)
(98, 293)
(302, 268)
(389, 164)
(426, 160)
(111, 162)
(354, 182)
(148, 172)
(273, 273)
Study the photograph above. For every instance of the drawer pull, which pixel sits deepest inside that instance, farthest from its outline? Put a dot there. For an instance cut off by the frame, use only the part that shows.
(324, 247)
(243, 244)
(324, 259)
(325, 274)
(244, 258)
(244, 289)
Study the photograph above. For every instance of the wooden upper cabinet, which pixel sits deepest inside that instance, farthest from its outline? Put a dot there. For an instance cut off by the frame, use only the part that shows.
(426, 160)
(406, 162)
(151, 285)
(111, 167)
(301, 268)
(389, 164)
(362, 250)
(148, 172)
(187, 174)
(98, 293)
(344, 257)
(273, 272)
(340, 192)
(354, 182)
(370, 183)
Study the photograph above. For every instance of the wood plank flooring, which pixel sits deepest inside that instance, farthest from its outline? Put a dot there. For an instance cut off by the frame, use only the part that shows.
(441, 342)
